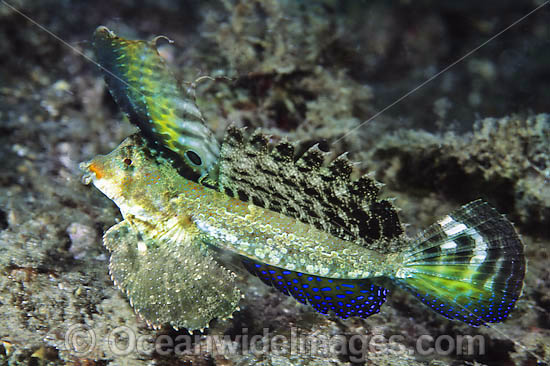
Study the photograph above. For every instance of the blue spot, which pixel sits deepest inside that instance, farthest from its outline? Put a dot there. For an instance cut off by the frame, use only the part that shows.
(326, 289)
(295, 280)
(310, 278)
(315, 289)
(349, 292)
(360, 297)
(286, 272)
(341, 296)
(305, 286)
(317, 297)
(281, 277)
(264, 272)
(340, 303)
(299, 274)
(271, 271)
(346, 285)
(328, 298)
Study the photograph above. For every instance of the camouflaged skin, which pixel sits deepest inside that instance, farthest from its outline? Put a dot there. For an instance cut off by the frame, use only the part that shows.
(297, 221)
(157, 258)
(167, 283)
(160, 253)
(467, 266)
(308, 188)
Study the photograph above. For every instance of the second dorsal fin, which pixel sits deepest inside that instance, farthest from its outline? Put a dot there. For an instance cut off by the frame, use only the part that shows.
(306, 187)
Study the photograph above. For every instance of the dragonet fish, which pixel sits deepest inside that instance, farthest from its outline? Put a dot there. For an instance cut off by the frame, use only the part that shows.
(302, 225)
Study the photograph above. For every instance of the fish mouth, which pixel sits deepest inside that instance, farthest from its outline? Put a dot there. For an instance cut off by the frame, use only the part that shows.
(92, 171)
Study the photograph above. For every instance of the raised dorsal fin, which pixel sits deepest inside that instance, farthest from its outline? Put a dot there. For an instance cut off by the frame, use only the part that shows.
(149, 94)
(311, 188)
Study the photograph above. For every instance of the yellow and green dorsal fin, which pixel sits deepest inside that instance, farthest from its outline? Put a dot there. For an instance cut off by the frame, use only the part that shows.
(149, 94)
(307, 188)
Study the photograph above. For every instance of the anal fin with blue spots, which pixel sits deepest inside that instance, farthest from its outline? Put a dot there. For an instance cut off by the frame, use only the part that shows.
(345, 297)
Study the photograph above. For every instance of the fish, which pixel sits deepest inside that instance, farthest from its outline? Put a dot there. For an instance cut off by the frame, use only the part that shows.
(150, 96)
(303, 225)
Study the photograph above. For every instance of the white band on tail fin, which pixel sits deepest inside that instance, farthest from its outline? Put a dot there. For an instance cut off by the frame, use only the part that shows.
(468, 266)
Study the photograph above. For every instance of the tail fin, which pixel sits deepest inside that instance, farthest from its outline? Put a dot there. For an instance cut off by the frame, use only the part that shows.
(468, 266)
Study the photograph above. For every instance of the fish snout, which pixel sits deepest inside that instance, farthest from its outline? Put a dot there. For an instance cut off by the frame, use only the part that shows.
(93, 170)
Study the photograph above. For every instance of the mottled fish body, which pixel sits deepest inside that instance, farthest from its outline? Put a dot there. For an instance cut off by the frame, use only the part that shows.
(150, 96)
(300, 224)
(468, 266)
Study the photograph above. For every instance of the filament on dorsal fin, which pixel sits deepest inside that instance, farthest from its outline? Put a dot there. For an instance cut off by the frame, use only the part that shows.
(155, 40)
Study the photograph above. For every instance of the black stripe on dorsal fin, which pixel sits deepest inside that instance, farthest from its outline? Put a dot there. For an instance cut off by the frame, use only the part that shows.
(310, 187)
(346, 298)
(258, 141)
(365, 187)
(312, 159)
(340, 168)
(283, 151)
(234, 136)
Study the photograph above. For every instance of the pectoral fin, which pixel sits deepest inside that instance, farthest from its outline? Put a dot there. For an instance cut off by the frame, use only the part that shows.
(175, 284)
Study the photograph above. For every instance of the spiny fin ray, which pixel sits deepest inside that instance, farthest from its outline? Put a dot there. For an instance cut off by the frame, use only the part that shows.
(307, 187)
(185, 288)
(148, 93)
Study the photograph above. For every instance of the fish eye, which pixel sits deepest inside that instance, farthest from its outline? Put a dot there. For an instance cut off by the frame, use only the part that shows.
(193, 157)
(128, 161)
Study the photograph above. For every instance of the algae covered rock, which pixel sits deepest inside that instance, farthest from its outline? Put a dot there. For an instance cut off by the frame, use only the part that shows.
(507, 159)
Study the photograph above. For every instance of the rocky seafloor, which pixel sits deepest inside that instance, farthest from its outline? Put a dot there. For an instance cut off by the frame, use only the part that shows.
(311, 71)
